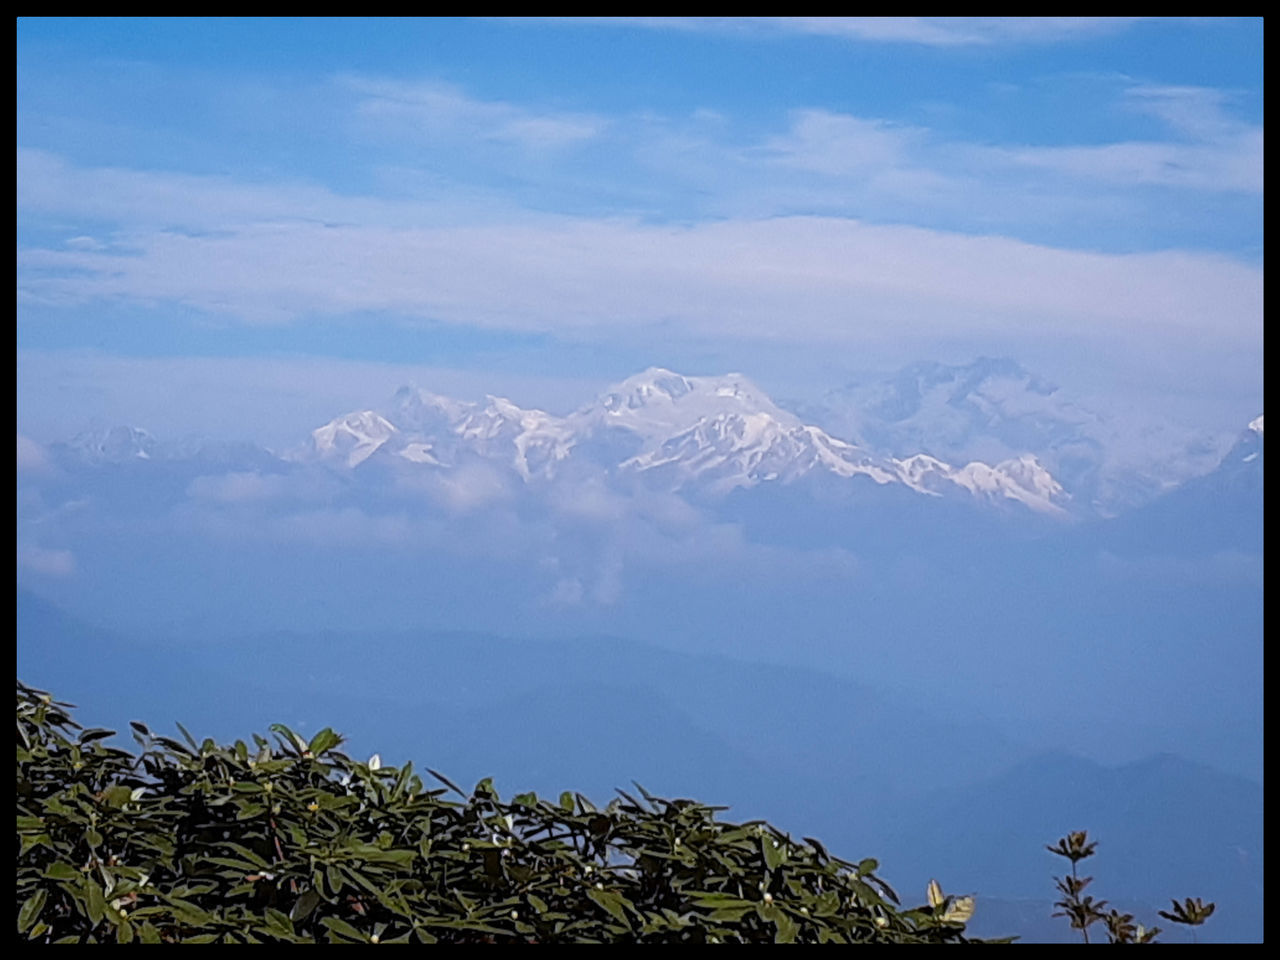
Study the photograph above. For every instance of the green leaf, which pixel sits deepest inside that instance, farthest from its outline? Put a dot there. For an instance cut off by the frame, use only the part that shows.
(95, 902)
(342, 931)
(613, 902)
(786, 929)
(772, 851)
(30, 909)
(61, 871)
(447, 782)
(279, 922)
(303, 906)
(323, 741)
(334, 878)
(566, 801)
(188, 737)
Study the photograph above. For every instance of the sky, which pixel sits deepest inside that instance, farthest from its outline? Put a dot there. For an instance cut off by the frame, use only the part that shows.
(242, 228)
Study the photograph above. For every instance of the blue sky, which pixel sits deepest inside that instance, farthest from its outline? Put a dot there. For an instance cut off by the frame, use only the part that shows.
(217, 216)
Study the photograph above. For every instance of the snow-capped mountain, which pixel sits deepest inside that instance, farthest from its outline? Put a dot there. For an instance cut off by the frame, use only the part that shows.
(709, 434)
(993, 410)
(117, 444)
(1241, 469)
(1220, 511)
(121, 445)
(352, 439)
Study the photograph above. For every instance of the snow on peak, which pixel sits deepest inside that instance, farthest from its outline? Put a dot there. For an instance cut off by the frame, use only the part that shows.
(1022, 479)
(716, 433)
(352, 438)
(416, 409)
(116, 444)
(657, 404)
(1256, 425)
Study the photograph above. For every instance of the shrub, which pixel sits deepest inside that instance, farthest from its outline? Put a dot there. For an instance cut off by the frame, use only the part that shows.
(293, 841)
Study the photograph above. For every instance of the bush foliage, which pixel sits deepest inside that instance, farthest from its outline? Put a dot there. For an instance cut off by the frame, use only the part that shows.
(293, 841)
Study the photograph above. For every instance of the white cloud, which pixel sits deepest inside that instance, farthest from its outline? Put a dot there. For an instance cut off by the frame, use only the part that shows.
(794, 279)
(1234, 165)
(251, 487)
(463, 489)
(924, 31)
(434, 110)
(1196, 112)
(1213, 152)
(31, 456)
(48, 563)
(842, 145)
(567, 592)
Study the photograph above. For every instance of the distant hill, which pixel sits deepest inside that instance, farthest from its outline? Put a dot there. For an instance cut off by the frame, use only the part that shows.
(927, 792)
(1166, 827)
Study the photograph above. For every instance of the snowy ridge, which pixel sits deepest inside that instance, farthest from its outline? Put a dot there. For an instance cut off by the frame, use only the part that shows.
(353, 438)
(994, 411)
(118, 444)
(713, 434)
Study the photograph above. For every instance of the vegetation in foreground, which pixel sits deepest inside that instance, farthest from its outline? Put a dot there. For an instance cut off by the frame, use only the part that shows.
(293, 841)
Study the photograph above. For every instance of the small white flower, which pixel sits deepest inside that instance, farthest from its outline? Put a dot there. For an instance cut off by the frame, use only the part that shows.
(768, 898)
(375, 762)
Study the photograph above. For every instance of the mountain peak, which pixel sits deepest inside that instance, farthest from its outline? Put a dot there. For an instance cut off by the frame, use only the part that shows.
(354, 437)
(115, 444)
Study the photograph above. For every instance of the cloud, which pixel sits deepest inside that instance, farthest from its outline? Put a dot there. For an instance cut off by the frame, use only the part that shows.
(250, 487)
(32, 457)
(47, 563)
(792, 279)
(842, 145)
(463, 489)
(1214, 151)
(923, 31)
(433, 110)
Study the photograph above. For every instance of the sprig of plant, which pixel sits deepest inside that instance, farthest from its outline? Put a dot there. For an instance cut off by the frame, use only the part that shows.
(1084, 911)
(1190, 912)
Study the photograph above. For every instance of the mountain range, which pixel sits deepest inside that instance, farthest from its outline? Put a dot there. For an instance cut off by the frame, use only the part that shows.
(925, 432)
(993, 409)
